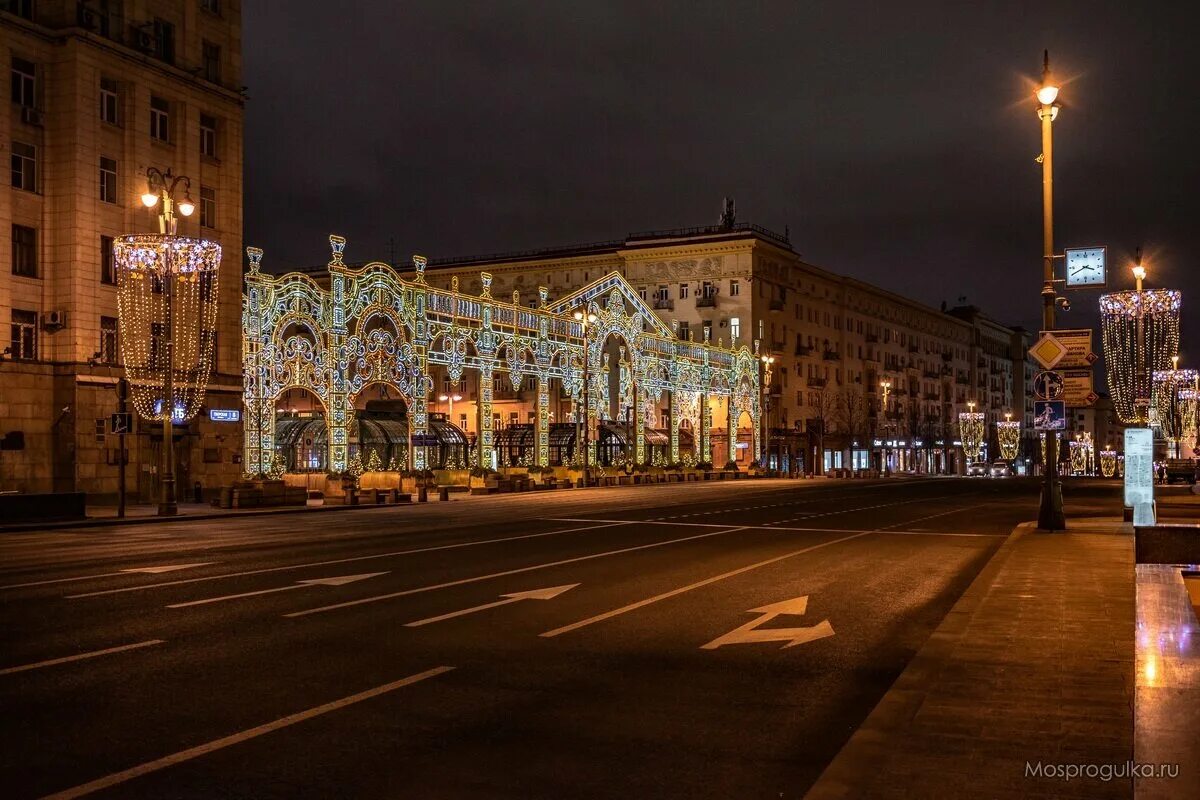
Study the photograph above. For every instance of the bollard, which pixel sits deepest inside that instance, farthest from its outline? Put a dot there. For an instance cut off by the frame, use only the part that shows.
(422, 494)
(443, 493)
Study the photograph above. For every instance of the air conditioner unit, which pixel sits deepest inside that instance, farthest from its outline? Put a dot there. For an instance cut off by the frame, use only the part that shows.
(87, 17)
(31, 116)
(143, 38)
(54, 319)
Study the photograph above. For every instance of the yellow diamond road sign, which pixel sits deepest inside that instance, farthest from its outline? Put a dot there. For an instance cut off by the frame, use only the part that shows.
(1048, 351)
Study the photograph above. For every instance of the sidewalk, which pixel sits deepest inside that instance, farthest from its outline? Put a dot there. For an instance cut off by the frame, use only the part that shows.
(1035, 663)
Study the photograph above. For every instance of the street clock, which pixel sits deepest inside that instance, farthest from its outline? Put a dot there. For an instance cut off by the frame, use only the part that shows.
(1086, 267)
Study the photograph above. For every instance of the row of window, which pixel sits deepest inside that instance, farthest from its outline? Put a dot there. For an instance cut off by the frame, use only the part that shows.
(24, 93)
(25, 261)
(23, 339)
(706, 289)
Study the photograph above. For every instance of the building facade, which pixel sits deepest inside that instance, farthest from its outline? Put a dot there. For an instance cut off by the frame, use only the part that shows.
(100, 92)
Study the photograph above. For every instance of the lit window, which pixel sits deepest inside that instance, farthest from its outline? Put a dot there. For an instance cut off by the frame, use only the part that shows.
(683, 291)
(735, 288)
(735, 329)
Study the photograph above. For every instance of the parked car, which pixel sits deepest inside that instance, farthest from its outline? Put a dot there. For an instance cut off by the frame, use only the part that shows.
(977, 470)
(1002, 469)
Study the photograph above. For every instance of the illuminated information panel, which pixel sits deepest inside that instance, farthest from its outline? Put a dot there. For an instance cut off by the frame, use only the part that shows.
(1139, 474)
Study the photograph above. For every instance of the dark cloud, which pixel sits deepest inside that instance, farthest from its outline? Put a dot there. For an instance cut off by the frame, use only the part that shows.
(897, 140)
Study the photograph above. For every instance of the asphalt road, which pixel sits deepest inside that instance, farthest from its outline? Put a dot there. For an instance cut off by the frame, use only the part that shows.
(699, 640)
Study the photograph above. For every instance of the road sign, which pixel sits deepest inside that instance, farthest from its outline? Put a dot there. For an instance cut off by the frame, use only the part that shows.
(1077, 387)
(1047, 385)
(1049, 415)
(121, 422)
(1048, 351)
(1078, 345)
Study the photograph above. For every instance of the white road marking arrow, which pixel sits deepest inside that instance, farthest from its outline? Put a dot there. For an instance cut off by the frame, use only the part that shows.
(548, 593)
(133, 570)
(751, 632)
(340, 580)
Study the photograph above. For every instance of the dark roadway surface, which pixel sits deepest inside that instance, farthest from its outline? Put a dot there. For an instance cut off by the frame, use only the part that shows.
(628, 705)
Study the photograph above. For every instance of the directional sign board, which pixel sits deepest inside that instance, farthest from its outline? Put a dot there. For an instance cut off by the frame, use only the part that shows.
(1049, 415)
(121, 423)
(1077, 387)
(1048, 351)
(1077, 343)
(1047, 385)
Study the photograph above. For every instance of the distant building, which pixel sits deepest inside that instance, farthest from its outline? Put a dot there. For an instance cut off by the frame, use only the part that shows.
(100, 91)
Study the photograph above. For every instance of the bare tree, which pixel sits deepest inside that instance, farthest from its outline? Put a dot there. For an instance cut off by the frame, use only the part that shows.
(822, 414)
(852, 416)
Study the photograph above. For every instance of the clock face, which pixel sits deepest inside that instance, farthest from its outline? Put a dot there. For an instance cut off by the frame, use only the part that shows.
(1086, 267)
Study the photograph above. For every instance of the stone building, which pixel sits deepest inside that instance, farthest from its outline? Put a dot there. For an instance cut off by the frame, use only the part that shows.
(833, 338)
(101, 92)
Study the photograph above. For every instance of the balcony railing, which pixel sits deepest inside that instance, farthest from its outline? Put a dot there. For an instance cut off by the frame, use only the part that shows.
(776, 304)
(709, 301)
(663, 304)
(803, 350)
(830, 355)
(817, 383)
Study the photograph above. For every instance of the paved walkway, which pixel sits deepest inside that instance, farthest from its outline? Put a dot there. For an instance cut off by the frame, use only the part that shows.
(1035, 664)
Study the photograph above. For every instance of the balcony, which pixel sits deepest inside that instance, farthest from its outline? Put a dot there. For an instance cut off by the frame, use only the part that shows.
(831, 355)
(775, 305)
(930, 373)
(817, 383)
(664, 304)
(931, 395)
(872, 339)
(777, 346)
(912, 348)
(803, 350)
(947, 356)
(776, 390)
(706, 301)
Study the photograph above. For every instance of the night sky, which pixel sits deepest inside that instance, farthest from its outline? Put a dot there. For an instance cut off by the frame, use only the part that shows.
(897, 140)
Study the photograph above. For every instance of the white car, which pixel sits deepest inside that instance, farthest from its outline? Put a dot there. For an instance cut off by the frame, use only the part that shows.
(1001, 469)
(977, 470)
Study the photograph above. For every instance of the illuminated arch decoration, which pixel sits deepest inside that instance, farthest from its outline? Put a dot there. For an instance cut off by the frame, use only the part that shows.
(1140, 336)
(167, 283)
(368, 325)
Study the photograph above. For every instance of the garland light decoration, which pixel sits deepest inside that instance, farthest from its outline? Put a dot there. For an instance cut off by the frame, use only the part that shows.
(1108, 463)
(1008, 433)
(1140, 335)
(1169, 409)
(1078, 458)
(1189, 409)
(970, 431)
(167, 282)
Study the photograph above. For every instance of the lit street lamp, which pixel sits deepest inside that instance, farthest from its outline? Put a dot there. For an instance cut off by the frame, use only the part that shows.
(766, 362)
(1050, 511)
(161, 186)
(585, 320)
(451, 398)
(886, 386)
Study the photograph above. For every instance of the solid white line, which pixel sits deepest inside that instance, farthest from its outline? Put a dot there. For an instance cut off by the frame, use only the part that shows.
(640, 603)
(462, 612)
(208, 600)
(790, 528)
(80, 657)
(517, 571)
(608, 524)
(238, 738)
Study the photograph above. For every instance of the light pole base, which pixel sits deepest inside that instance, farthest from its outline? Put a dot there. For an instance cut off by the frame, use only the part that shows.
(1051, 516)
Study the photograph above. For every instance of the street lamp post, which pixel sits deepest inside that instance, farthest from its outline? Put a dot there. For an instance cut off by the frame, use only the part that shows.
(886, 386)
(161, 186)
(586, 320)
(766, 362)
(1050, 510)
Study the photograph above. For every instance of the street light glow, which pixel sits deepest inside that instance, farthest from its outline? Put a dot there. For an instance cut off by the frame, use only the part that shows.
(150, 199)
(1046, 95)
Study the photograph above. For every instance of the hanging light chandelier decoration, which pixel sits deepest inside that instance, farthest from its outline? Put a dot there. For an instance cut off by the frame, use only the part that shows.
(1167, 408)
(1042, 444)
(167, 301)
(1008, 434)
(1189, 423)
(1140, 336)
(1108, 463)
(970, 432)
(1078, 457)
